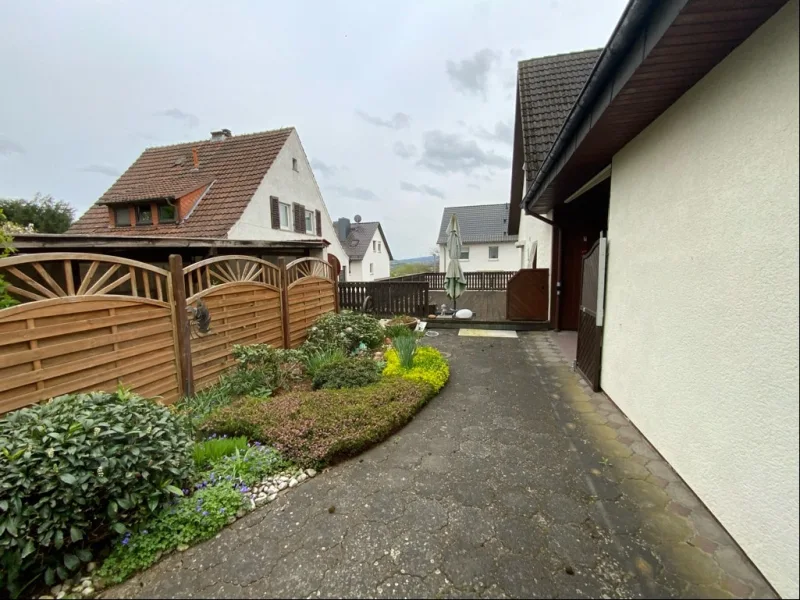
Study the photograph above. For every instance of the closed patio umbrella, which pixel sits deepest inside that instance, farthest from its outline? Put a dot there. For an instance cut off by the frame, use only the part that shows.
(454, 281)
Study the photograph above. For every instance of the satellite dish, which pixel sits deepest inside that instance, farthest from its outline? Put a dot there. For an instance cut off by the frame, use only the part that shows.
(357, 218)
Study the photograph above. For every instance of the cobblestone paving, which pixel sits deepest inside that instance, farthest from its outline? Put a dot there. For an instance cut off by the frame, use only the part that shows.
(516, 481)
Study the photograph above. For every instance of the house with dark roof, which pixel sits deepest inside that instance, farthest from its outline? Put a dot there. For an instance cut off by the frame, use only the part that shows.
(368, 252)
(253, 187)
(486, 244)
(547, 88)
(670, 187)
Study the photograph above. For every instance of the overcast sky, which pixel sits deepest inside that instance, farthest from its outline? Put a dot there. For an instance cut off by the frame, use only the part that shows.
(403, 108)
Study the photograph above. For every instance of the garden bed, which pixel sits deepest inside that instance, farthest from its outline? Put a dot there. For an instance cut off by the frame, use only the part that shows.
(95, 487)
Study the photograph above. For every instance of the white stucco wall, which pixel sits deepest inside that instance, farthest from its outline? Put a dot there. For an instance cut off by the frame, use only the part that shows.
(701, 339)
(380, 261)
(289, 186)
(532, 230)
(508, 258)
(354, 274)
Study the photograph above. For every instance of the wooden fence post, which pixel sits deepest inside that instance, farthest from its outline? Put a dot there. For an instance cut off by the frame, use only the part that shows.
(336, 306)
(185, 374)
(284, 303)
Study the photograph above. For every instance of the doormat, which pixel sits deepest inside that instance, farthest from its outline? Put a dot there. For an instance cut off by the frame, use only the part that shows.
(493, 333)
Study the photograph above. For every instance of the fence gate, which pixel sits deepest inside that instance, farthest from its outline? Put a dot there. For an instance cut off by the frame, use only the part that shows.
(526, 296)
(86, 322)
(309, 290)
(590, 325)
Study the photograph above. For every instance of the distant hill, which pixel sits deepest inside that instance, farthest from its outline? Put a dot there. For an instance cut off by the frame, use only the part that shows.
(425, 260)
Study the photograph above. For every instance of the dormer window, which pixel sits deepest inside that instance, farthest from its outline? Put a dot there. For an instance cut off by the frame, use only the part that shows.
(144, 214)
(122, 217)
(167, 213)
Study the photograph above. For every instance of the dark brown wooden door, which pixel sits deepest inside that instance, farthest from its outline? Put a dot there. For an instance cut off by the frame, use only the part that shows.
(591, 315)
(526, 295)
(577, 243)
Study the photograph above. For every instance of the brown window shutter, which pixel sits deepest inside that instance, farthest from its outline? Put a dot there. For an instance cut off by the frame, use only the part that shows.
(275, 211)
(319, 223)
(299, 218)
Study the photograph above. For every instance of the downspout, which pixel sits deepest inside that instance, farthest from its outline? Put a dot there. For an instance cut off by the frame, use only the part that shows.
(556, 276)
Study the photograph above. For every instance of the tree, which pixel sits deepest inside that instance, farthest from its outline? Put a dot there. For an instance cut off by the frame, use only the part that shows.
(45, 213)
(5, 249)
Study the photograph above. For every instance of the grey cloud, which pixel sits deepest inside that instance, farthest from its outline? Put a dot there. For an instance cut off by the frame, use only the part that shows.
(101, 170)
(358, 193)
(323, 168)
(405, 150)
(8, 147)
(503, 132)
(474, 185)
(422, 189)
(471, 75)
(397, 121)
(175, 113)
(446, 153)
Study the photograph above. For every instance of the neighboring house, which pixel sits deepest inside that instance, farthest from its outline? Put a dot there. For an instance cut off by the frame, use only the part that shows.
(485, 242)
(547, 88)
(257, 186)
(683, 148)
(368, 252)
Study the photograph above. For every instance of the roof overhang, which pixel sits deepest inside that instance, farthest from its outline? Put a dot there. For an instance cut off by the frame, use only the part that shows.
(657, 52)
(65, 241)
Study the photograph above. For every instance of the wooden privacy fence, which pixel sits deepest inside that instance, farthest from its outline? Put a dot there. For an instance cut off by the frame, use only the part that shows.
(386, 298)
(90, 321)
(476, 280)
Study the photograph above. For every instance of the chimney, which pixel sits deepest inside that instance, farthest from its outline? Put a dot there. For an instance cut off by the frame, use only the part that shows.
(343, 228)
(195, 158)
(222, 134)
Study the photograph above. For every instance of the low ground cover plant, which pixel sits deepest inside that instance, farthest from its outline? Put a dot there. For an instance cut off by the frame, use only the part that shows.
(77, 469)
(428, 366)
(189, 520)
(316, 428)
(249, 465)
(347, 373)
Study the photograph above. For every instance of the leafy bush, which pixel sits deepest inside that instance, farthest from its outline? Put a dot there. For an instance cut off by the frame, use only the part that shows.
(319, 358)
(316, 428)
(190, 520)
(260, 370)
(429, 366)
(405, 347)
(211, 450)
(344, 330)
(249, 465)
(76, 468)
(347, 373)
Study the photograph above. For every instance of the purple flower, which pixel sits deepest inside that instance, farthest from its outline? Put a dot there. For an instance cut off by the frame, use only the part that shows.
(222, 510)
(205, 513)
(145, 532)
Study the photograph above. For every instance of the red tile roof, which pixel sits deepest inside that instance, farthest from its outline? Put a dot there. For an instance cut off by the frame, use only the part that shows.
(236, 166)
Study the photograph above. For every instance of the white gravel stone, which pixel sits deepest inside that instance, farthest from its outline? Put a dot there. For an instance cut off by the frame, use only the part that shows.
(261, 500)
(88, 592)
(182, 547)
(282, 486)
(272, 490)
(91, 567)
(45, 597)
(271, 497)
(61, 594)
(55, 589)
(292, 482)
(302, 477)
(311, 472)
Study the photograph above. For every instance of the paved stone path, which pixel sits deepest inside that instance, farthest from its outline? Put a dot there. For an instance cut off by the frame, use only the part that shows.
(516, 481)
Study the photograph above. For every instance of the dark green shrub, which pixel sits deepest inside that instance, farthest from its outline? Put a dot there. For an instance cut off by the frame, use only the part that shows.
(398, 330)
(77, 468)
(345, 330)
(347, 373)
(316, 428)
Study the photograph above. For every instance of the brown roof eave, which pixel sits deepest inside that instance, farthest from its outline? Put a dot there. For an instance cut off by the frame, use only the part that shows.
(624, 93)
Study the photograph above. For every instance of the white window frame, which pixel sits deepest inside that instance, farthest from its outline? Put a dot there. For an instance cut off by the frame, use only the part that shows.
(288, 208)
(310, 218)
(497, 250)
(464, 250)
(379, 247)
